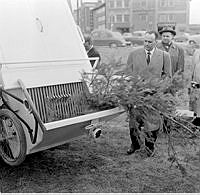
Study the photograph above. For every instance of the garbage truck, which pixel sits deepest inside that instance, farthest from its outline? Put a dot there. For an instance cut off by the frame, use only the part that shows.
(42, 102)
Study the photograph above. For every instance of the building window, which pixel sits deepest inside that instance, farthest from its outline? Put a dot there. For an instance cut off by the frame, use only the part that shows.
(144, 3)
(119, 18)
(112, 4)
(170, 3)
(150, 18)
(163, 18)
(143, 17)
(119, 3)
(171, 17)
(126, 3)
(112, 19)
(151, 4)
(126, 18)
(163, 3)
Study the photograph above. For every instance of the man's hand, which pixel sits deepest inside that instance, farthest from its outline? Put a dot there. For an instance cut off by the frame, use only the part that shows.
(194, 84)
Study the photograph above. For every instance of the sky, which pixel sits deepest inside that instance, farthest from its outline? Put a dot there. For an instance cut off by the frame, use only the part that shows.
(194, 9)
(195, 12)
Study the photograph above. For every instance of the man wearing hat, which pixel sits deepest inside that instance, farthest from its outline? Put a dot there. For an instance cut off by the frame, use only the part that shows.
(176, 52)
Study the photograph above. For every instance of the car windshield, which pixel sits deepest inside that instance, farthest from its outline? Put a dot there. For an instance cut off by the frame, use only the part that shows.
(127, 34)
(139, 33)
(194, 39)
(118, 35)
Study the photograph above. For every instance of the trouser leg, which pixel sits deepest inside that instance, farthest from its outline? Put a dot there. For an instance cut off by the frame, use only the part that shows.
(135, 139)
(151, 139)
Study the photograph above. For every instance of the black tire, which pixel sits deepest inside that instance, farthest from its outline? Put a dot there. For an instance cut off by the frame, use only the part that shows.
(11, 153)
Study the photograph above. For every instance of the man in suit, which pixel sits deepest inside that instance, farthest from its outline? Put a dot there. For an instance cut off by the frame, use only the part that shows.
(176, 52)
(148, 58)
(91, 51)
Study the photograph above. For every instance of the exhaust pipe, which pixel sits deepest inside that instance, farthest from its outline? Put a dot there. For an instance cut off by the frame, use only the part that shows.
(94, 131)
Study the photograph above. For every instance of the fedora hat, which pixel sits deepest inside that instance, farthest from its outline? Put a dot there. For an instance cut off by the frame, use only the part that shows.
(167, 29)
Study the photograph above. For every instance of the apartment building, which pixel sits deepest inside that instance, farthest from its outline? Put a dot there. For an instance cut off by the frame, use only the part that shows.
(84, 16)
(132, 15)
(98, 17)
(118, 15)
(145, 14)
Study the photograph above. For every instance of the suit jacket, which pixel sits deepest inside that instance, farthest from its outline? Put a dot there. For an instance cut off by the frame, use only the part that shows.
(160, 63)
(93, 53)
(177, 57)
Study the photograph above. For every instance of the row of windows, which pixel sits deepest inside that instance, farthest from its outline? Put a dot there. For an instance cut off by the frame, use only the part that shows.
(161, 3)
(166, 3)
(167, 18)
(119, 3)
(119, 18)
(161, 18)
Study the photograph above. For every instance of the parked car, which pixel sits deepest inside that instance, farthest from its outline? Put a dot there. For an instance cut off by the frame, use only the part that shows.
(108, 38)
(137, 38)
(181, 38)
(139, 33)
(127, 35)
(193, 43)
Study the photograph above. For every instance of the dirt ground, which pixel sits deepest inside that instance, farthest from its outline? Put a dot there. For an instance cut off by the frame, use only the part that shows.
(101, 165)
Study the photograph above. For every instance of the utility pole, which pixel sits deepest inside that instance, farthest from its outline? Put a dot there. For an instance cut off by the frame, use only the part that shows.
(77, 4)
(131, 16)
(156, 15)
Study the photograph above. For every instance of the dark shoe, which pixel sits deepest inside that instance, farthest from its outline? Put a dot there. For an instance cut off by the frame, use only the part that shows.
(131, 151)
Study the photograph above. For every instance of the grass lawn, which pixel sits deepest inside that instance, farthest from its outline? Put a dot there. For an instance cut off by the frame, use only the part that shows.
(101, 165)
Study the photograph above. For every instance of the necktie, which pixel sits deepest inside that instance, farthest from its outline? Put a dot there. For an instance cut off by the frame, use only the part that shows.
(148, 57)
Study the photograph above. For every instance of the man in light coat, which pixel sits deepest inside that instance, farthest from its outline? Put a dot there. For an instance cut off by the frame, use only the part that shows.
(158, 62)
(194, 91)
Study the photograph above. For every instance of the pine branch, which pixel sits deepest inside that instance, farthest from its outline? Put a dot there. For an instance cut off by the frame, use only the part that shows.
(143, 95)
(182, 125)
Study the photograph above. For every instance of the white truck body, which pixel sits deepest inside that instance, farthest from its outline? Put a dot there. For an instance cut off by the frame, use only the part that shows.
(42, 57)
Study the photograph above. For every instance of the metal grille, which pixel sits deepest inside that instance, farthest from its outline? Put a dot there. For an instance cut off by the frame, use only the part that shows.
(58, 102)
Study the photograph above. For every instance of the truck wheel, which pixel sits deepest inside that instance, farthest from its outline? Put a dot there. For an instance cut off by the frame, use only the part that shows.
(12, 139)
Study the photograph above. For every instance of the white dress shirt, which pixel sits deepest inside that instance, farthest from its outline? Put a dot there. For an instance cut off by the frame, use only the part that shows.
(151, 53)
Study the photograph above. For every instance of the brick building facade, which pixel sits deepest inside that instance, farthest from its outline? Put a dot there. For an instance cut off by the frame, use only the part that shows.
(98, 15)
(145, 14)
(132, 15)
(118, 15)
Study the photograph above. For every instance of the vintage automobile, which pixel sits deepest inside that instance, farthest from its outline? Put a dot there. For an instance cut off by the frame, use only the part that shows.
(108, 38)
(136, 38)
(42, 101)
(181, 38)
(193, 43)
